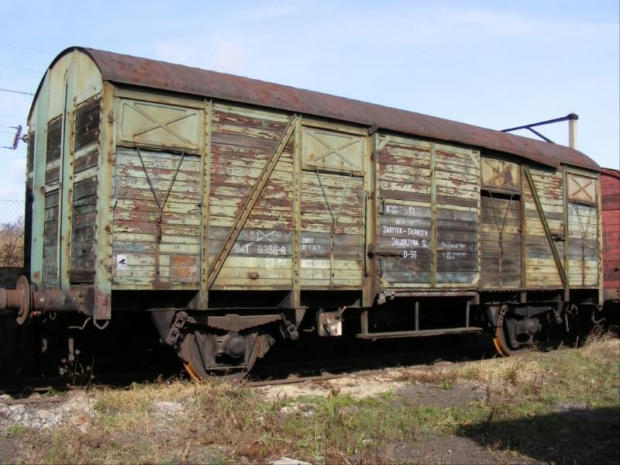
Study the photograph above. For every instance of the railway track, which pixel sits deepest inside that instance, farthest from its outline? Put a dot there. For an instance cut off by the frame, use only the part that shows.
(466, 349)
(285, 366)
(288, 364)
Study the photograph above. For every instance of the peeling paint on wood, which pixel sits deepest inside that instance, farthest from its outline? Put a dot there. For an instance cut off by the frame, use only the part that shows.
(157, 181)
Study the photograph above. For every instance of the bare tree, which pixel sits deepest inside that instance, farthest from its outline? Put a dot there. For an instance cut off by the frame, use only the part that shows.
(12, 244)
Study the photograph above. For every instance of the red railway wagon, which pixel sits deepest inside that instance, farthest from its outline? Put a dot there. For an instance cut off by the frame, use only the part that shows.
(610, 196)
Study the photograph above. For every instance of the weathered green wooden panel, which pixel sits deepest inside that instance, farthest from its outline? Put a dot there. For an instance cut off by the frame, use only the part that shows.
(84, 222)
(541, 269)
(329, 273)
(242, 142)
(420, 242)
(405, 235)
(332, 227)
(583, 250)
(500, 219)
(157, 220)
(333, 151)
(268, 271)
(87, 121)
(50, 239)
(150, 124)
(457, 195)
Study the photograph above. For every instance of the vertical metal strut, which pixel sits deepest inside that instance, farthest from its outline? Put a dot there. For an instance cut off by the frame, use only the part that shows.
(243, 216)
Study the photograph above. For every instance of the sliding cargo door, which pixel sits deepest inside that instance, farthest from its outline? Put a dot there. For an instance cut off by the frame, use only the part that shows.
(332, 209)
(428, 201)
(405, 227)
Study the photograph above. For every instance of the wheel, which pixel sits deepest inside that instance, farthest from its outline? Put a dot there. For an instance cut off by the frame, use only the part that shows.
(230, 356)
(515, 334)
(501, 342)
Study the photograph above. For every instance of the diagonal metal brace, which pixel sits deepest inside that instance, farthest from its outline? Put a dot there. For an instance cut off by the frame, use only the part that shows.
(543, 220)
(243, 216)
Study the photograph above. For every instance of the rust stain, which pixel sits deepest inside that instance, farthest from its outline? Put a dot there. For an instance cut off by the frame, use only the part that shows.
(183, 267)
(500, 174)
(103, 310)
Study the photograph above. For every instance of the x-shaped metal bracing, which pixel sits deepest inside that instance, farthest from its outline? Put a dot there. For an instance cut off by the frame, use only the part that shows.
(582, 188)
(334, 150)
(161, 124)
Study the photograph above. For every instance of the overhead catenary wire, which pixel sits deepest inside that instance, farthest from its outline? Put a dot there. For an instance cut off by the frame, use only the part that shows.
(27, 49)
(20, 68)
(16, 91)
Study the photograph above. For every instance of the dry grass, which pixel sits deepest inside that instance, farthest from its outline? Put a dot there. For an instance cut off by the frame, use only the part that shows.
(433, 374)
(214, 422)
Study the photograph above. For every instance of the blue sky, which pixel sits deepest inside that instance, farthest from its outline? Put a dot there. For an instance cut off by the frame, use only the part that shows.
(495, 64)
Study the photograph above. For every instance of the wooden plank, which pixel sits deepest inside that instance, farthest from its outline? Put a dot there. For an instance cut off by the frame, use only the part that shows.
(87, 121)
(313, 274)
(271, 262)
(460, 192)
(456, 236)
(418, 173)
(512, 229)
(221, 154)
(411, 197)
(262, 273)
(83, 234)
(456, 262)
(54, 139)
(455, 225)
(457, 201)
(241, 140)
(407, 277)
(83, 217)
(492, 236)
(222, 127)
(124, 247)
(461, 277)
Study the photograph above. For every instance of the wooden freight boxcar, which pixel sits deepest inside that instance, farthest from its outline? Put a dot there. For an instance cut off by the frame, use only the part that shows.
(610, 193)
(229, 207)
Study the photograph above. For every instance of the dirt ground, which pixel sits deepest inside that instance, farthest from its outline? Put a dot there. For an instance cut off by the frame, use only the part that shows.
(447, 449)
(42, 412)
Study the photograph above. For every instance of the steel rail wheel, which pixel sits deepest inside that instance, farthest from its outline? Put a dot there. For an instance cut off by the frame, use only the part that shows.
(512, 334)
(202, 362)
(500, 343)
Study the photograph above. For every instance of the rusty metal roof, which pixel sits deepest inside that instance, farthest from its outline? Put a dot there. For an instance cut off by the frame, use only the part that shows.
(142, 72)
(611, 172)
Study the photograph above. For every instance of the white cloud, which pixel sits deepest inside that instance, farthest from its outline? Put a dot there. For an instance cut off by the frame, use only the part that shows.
(218, 53)
(173, 52)
(229, 57)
